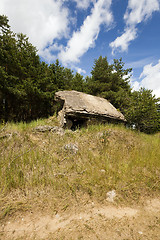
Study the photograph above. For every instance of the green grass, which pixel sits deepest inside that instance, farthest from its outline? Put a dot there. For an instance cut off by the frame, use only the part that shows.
(34, 166)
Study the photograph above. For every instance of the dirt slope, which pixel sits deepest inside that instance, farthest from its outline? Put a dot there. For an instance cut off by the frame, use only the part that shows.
(91, 221)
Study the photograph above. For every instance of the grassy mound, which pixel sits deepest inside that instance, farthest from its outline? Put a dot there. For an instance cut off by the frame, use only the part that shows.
(36, 168)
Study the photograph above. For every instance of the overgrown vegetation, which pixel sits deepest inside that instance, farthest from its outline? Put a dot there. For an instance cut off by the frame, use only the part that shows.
(27, 85)
(36, 166)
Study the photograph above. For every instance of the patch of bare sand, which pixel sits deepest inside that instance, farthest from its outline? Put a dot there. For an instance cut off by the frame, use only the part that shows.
(153, 205)
(107, 222)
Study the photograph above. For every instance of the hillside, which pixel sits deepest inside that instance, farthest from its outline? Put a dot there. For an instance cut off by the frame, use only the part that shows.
(58, 181)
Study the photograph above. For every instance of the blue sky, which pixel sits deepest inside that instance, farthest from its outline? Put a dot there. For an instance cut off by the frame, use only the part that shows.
(78, 31)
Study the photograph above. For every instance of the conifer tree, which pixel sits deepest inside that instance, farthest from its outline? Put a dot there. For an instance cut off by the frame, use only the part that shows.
(110, 81)
(143, 111)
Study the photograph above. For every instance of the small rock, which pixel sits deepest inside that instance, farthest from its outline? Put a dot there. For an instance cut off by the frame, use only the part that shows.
(111, 195)
(58, 130)
(57, 215)
(73, 148)
(102, 171)
(45, 128)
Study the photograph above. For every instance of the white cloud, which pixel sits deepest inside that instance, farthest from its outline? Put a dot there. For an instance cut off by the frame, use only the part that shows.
(149, 79)
(84, 38)
(123, 41)
(80, 70)
(137, 12)
(41, 20)
(135, 85)
(48, 53)
(83, 4)
(46, 22)
(139, 63)
(140, 10)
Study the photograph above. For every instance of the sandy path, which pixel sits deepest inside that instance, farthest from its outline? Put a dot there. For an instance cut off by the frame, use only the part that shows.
(92, 223)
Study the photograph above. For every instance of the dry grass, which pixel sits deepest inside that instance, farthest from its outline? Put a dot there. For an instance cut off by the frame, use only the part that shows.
(36, 169)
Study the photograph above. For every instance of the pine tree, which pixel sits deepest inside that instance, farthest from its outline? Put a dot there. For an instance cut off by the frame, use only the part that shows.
(143, 111)
(78, 82)
(110, 82)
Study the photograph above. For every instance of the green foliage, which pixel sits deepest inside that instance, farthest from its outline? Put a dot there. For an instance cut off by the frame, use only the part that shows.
(110, 82)
(142, 112)
(78, 83)
(140, 108)
(20, 72)
(27, 85)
